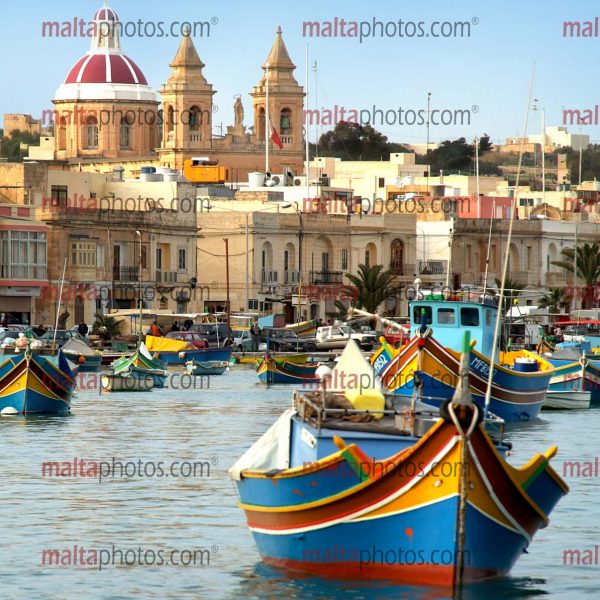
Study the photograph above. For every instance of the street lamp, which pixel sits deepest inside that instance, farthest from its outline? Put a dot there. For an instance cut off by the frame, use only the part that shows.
(296, 205)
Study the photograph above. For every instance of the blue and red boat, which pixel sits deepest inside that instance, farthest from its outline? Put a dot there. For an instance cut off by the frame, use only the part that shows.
(443, 509)
(279, 370)
(520, 379)
(36, 384)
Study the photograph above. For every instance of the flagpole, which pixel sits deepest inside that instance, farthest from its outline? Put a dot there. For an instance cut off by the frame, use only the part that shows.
(267, 126)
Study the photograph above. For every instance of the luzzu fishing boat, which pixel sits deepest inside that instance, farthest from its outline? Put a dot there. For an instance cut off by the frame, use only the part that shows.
(441, 509)
(520, 379)
(305, 328)
(32, 383)
(78, 352)
(576, 379)
(214, 367)
(280, 370)
(178, 352)
(140, 365)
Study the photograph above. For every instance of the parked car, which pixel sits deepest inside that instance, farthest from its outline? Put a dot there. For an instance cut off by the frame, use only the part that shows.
(62, 337)
(242, 340)
(282, 339)
(214, 333)
(192, 337)
(333, 337)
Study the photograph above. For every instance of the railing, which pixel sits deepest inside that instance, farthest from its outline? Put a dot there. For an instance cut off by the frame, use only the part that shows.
(291, 277)
(287, 139)
(432, 267)
(195, 137)
(127, 274)
(269, 277)
(326, 277)
(166, 276)
(558, 278)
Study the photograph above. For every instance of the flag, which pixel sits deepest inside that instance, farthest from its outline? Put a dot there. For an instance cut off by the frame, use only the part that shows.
(275, 136)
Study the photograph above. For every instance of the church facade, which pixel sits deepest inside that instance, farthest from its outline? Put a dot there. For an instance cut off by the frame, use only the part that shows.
(105, 113)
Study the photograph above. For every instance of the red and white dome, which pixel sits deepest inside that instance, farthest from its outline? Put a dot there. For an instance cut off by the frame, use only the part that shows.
(106, 14)
(105, 73)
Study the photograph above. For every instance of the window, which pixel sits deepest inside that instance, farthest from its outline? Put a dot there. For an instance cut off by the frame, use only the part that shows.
(285, 122)
(59, 195)
(91, 133)
(286, 260)
(344, 259)
(381, 182)
(529, 257)
(325, 261)
(469, 317)
(23, 254)
(83, 254)
(422, 311)
(252, 304)
(144, 256)
(181, 262)
(125, 136)
(159, 259)
(367, 259)
(397, 256)
(446, 316)
(62, 134)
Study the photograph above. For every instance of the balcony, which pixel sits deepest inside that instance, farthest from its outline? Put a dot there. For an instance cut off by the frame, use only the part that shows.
(291, 277)
(269, 277)
(23, 272)
(554, 278)
(326, 277)
(126, 274)
(286, 140)
(166, 276)
(432, 267)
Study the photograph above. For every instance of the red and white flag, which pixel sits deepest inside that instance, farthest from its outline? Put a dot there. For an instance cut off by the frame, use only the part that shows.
(275, 136)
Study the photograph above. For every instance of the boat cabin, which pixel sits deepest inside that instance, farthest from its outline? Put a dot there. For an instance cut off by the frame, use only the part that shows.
(449, 318)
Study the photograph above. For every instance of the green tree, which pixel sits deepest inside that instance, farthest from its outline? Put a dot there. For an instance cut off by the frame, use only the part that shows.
(512, 291)
(106, 325)
(351, 141)
(555, 300)
(588, 268)
(370, 287)
(10, 147)
(451, 156)
(485, 144)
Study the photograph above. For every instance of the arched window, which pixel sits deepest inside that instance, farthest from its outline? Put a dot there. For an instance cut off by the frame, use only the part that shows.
(125, 133)
(260, 131)
(397, 256)
(91, 133)
(170, 119)
(195, 116)
(285, 122)
(370, 255)
(62, 134)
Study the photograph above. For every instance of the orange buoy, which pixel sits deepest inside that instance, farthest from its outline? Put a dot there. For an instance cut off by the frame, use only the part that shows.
(81, 360)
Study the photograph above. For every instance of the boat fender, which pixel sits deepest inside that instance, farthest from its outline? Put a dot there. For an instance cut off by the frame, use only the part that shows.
(445, 414)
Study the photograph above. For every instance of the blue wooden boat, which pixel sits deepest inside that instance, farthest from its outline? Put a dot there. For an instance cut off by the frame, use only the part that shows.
(577, 369)
(87, 359)
(520, 379)
(141, 365)
(177, 352)
(441, 509)
(36, 384)
(279, 370)
(217, 367)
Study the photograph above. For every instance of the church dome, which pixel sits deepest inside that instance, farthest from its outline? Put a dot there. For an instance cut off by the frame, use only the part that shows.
(104, 72)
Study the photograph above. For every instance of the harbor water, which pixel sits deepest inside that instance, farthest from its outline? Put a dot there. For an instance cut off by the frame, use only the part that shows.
(129, 516)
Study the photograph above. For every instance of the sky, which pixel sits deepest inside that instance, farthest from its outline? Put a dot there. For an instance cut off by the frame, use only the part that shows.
(481, 79)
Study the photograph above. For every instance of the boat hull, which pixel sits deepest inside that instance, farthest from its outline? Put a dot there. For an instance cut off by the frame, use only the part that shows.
(282, 371)
(206, 368)
(567, 400)
(36, 385)
(90, 364)
(342, 517)
(515, 396)
(197, 355)
(127, 382)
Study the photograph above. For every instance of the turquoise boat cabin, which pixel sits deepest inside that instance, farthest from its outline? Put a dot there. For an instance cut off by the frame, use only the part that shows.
(450, 314)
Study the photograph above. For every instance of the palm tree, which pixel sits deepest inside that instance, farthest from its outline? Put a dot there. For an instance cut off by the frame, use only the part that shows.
(555, 300)
(370, 287)
(512, 290)
(107, 326)
(588, 268)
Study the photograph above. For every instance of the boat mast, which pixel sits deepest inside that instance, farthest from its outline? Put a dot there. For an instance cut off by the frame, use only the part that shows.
(488, 391)
(62, 283)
